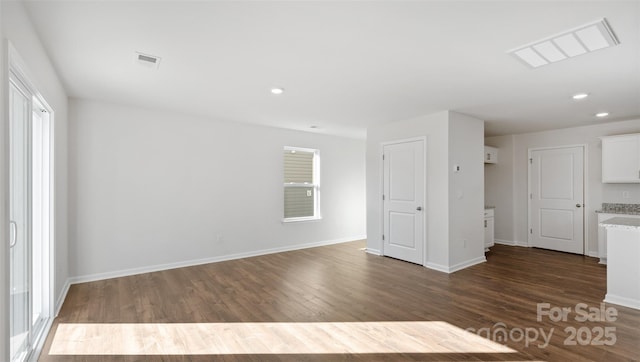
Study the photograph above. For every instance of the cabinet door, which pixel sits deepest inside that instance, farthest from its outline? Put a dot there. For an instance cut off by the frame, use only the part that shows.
(621, 159)
(488, 232)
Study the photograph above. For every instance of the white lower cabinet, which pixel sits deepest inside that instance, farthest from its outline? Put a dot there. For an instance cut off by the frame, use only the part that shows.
(489, 227)
(602, 233)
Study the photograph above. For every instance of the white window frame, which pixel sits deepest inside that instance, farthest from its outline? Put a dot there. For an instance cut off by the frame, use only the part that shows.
(315, 184)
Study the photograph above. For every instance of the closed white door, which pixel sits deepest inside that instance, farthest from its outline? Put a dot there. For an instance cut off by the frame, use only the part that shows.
(556, 210)
(403, 199)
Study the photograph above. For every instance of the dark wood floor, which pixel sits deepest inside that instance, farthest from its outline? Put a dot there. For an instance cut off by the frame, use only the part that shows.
(342, 283)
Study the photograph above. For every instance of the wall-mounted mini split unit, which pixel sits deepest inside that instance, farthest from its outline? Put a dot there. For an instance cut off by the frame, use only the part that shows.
(146, 60)
(581, 40)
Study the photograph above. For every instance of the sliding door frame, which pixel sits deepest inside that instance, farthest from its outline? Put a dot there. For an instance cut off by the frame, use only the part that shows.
(16, 71)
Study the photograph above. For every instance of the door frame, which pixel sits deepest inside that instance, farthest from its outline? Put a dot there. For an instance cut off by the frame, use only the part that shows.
(16, 68)
(425, 237)
(585, 184)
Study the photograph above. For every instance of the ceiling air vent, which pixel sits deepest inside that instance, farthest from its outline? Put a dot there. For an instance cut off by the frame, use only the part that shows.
(581, 40)
(146, 60)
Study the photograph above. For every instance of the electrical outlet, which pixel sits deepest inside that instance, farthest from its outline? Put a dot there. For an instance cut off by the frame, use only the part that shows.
(625, 194)
(219, 238)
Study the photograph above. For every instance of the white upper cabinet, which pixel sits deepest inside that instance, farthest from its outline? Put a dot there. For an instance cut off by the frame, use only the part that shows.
(621, 159)
(490, 154)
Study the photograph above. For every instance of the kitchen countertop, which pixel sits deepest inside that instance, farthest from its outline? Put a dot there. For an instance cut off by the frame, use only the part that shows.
(623, 209)
(622, 223)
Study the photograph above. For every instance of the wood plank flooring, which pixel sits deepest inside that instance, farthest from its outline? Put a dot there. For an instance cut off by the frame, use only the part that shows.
(334, 287)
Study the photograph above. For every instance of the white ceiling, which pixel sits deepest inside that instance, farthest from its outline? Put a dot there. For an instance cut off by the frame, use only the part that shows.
(345, 66)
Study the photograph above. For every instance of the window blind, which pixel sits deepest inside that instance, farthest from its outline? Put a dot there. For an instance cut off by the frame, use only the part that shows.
(299, 188)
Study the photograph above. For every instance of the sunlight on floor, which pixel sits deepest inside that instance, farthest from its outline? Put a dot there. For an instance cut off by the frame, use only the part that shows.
(267, 338)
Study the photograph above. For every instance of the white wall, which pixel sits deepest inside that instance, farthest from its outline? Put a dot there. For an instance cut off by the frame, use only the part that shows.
(442, 251)
(596, 192)
(151, 189)
(17, 28)
(466, 191)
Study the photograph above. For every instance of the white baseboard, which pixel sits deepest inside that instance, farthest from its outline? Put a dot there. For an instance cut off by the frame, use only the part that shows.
(456, 267)
(215, 259)
(62, 297)
(593, 254)
(437, 267)
(374, 251)
(505, 242)
(623, 301)
(467, 263)
(512, 243)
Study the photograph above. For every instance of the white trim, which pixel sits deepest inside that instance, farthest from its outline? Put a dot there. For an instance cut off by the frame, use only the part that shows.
(505, 242)
(585, 194)
(62, 297)
(468, 263)
(456, 267)
(625, 302)
(301, 219)
(437, 267)
(373, 251)
(523, 244)
(215, 259)
(593, 254)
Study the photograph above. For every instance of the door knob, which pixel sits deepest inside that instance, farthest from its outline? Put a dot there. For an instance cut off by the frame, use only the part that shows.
(578, 205)
(419, 208)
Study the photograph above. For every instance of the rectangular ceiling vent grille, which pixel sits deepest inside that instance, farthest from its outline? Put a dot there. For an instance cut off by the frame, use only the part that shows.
(581, 40)
(146, 60)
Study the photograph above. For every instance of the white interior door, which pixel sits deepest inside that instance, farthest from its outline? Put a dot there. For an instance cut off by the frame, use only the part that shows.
(403, 200)
(556, 199)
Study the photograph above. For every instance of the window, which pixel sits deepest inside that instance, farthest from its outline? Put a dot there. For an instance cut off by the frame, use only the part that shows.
(301, 184)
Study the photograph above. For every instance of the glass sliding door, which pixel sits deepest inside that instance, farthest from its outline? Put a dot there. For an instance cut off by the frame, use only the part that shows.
(40, 219)
(30, 215)
(19, 255)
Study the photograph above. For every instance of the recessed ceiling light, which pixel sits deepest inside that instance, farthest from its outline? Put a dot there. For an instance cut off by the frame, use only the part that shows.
(580, 96)
(277, 90)
(602, 114)
(571, 43)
